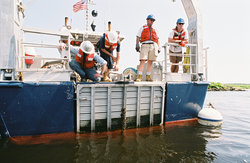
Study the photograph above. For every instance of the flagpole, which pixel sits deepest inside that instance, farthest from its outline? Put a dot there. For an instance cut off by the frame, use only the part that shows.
(86, 22)
(86, 32)
(104, 22)
(81, 5)
(71, 18)
(109, 10)
(87, 19)
(87, 15)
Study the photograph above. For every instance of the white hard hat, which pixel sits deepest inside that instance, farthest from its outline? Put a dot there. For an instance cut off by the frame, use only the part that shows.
(113, 37)
(87, 47)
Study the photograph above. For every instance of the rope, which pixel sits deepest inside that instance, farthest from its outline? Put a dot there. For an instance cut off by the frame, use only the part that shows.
(7, 131)
(123, 115)
(211, 105)
(30, 3)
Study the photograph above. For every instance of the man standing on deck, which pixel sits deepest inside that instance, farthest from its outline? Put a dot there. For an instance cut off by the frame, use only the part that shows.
(107, 44)
(85, 61)
(150, 47)
(177, 35)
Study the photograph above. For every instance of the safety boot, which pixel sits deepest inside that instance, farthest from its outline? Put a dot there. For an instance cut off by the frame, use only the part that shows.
(148, 78)
(106, 77)
(139, 78)
(83, 79)
(77, 77)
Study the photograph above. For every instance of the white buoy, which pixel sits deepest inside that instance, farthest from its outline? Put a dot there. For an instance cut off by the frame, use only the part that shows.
(210, 116)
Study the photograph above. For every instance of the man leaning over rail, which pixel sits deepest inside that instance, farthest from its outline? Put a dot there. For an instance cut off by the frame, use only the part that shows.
(84, 64)
(177, 35)
(107, 44)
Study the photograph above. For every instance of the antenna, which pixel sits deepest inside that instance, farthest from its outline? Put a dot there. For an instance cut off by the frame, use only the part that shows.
(109, 10)
(87, 15)
(71, 19)
(104, 21)
(87, 19)
(30, 3)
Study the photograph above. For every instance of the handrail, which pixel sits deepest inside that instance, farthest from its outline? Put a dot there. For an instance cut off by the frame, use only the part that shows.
(193, 62)
(172, 54)
(28, 57)
(31, 44)
(180, 64)
(41, 70)
(206, 65)
(45, 31)
(175, 44)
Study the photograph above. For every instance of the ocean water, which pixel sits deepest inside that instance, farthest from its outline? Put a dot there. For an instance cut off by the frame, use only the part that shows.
(184, 143)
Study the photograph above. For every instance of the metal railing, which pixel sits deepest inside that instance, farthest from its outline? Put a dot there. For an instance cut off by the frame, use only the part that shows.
(205, 65)
(190, 56)
(41, 45)
(189, 61)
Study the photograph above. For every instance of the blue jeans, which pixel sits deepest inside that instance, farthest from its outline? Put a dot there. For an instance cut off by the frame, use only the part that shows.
(107, 58)
(88, 72)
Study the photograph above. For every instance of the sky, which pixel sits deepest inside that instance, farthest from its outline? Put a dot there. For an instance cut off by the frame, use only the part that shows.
(225, 29)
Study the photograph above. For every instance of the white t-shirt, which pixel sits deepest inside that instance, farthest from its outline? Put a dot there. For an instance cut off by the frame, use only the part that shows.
(148, 41)
(177, 48)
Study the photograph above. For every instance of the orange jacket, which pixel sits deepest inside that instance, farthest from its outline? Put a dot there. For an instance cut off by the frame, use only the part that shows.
(108, 46)
(149, 34)
(179, 35)
(88, 62)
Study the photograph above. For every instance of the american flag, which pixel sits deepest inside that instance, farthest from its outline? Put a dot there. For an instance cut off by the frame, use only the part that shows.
(81, 5)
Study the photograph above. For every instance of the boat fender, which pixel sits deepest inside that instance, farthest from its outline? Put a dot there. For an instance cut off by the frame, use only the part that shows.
(210, 116)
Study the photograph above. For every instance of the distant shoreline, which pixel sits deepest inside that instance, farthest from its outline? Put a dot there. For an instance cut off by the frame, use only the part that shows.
(227, 87)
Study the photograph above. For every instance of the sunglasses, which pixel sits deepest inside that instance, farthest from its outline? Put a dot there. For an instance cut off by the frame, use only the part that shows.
(151, 20)
(181, 23)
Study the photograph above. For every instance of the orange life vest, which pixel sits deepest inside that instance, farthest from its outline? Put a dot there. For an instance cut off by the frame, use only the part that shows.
(88, 62)
(108, 46)
(179, 35)
(149, 34)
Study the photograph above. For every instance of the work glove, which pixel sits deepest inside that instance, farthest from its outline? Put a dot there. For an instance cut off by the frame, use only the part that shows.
(182, 44)
(62, 46)
(159, 50)
(137, 47)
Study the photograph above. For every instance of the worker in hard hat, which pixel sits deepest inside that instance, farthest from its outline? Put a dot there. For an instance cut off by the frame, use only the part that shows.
(107, 44)
(84, 63)
(150, 47)
(177, 35)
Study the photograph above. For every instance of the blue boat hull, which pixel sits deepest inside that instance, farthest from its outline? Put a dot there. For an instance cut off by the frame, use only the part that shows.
(36, 108)
(48, 108)
(184, 100)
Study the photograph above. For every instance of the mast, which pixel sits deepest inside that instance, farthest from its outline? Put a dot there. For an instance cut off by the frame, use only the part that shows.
(195, 29)
(87, 15)
(87, 19)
